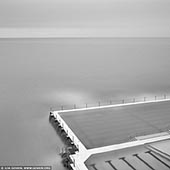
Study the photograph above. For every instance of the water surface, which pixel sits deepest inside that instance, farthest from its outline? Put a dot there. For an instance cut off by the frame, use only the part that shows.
(36, 74)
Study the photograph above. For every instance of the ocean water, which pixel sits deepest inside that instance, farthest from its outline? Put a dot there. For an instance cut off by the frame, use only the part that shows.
(36, 74)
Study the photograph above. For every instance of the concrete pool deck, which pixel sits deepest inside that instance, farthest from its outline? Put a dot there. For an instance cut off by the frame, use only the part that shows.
(136, 157)
(93, 130)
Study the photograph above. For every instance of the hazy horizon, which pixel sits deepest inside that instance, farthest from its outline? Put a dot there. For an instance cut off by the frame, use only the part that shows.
(84, 18)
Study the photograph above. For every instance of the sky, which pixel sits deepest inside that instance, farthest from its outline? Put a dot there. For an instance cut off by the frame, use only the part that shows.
(84, 18)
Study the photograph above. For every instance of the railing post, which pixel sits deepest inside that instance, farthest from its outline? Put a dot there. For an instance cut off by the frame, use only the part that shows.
(144, 99)
(86, 105)
(99, 103)
(123, 101)
(164, 96)
(61, 107)
(155, 97)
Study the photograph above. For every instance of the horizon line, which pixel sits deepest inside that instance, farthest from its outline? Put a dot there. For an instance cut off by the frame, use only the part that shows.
(10, 33)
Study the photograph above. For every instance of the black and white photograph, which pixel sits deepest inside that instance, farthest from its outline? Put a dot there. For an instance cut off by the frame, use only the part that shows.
(84, 85)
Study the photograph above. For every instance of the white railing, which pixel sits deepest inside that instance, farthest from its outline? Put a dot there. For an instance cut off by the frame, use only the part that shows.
(102, 103)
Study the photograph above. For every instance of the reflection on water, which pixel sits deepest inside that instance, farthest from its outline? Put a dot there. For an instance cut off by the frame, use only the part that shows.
(36, 74)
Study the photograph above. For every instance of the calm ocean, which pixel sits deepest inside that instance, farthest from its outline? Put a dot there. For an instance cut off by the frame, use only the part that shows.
(36, 74)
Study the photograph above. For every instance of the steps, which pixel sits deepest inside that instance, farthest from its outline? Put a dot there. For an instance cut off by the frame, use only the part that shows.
(159, 152)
